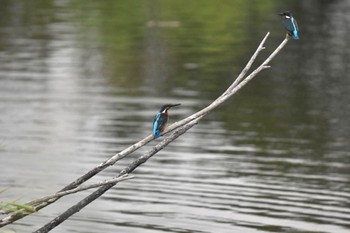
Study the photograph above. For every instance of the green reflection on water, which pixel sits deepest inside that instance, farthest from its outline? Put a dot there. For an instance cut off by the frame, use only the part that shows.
(167, 44)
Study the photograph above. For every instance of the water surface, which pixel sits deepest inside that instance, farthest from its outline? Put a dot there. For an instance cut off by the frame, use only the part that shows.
(82, 80)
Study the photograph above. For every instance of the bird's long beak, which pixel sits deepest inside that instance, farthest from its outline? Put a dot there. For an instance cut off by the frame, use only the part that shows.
(174, 105)
(281, 14)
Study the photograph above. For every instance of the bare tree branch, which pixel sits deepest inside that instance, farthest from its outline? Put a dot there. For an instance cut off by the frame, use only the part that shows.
(142, 159)
(184, 124)
(79, 189)
(33, 206)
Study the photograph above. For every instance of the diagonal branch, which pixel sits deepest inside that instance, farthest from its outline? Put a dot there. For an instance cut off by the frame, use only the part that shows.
(35, 204)
(184, 125)
(249, 64)
(193, 119)
(142, 159)
(49, 198)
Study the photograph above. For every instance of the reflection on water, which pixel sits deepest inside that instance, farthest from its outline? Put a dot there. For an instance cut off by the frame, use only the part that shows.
(80, 81)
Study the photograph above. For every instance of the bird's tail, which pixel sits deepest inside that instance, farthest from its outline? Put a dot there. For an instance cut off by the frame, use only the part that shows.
(156, 133)
(295, 35)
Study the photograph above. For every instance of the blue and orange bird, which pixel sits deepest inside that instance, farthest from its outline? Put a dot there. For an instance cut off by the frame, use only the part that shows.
(161, 119)
(290, 24)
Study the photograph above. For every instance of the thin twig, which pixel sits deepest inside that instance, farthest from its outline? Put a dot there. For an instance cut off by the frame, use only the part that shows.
(35, 204)
(249, 64)
(79, 189)
(227, 94)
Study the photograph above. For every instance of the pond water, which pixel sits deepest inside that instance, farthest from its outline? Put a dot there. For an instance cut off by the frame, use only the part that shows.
(82, 80)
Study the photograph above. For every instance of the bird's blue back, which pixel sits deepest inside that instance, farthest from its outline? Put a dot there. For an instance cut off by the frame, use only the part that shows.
(292, 26)
(159, 124)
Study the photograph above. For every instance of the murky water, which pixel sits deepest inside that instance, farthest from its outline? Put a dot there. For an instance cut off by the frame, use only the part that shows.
(82, 80)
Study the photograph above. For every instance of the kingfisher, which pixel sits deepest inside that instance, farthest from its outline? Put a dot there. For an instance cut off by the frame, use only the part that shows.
(290, 24)
(161, 119)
